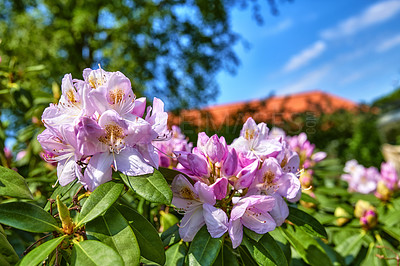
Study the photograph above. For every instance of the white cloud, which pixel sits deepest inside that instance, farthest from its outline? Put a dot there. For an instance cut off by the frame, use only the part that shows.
(388, 44)
(310, 81)
(305, 56)
(374, 14)
(352, 77)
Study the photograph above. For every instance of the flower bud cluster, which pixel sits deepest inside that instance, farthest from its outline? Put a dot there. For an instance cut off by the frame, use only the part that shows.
(308, 158)
(99, 126)
(177, 142)
(370, 180)
(366, 213)
(239, 185)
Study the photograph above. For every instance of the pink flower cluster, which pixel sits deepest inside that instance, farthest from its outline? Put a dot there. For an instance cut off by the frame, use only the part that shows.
(369, 180)
(242, 184)
(177, 142)
(98, 126)
(308, 158)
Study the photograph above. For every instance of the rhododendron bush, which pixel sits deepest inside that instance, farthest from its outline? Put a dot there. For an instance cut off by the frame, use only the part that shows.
(130, 191)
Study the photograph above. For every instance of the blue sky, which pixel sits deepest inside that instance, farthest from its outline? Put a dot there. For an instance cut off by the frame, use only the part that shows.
(348, 48)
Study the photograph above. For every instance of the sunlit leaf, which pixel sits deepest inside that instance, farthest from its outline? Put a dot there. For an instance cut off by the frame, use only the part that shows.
(175, 255)
(41, 252)
(151, 246)
(152, 187)
(94, 253)
(113, 229)
(99, 201)
(13, 184)
(307, 222)
(204, 249)
(27, 217)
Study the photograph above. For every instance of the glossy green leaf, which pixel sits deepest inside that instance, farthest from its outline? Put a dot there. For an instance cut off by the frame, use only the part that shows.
(175, 255)
(64, 192)
(152, 187)
(257, 251)
(94, 253)
(7, 252)
(13, 184)
(351, 245)
(171, 235)
(204, 249)
(283, 244)
(306, 246)
(99, 201)
(169, 174)
(41, 252)
(307, 222)
(113, 230)
(226, 257)
(251, 234)
(27, 217)
(245, 256)
(151, 246)
(334, 256)
(269, 243)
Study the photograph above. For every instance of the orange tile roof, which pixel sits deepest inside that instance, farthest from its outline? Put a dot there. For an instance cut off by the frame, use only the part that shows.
(272, 109)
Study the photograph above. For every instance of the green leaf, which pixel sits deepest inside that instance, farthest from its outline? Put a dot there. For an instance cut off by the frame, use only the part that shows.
(92, 252)
(152, 187)
(151, 246)
(246, 257)
(113, 230)
(269, 243)
(307, 222)
(306, 246)
(40, 253)
(169, 174)
(13, 184)
(253, 235)
(258, 252)
(175, 255)
(226, 257)
(351, 245)
(334, 256)
(307, 198)
(204, 249)
(171, 236)
(99, 201)
(7, 252)
(63, 192)
(27, 217)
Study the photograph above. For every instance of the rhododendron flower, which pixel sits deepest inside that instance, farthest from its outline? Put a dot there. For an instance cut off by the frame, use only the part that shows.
(271, 179)
(389, 175)
(251, 212)
(97, 127)
(197, 205)
(177, 142)
(253, 140)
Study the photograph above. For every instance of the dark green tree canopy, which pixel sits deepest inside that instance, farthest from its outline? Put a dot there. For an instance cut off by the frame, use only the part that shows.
(170, 49)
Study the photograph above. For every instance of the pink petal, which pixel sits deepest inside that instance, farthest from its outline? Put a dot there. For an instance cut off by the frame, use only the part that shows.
(130, 162)
(216, 220)
(191, 224)
(235, 232)
(98, 170)
(260, 223)
(206, 194)
(66, 171)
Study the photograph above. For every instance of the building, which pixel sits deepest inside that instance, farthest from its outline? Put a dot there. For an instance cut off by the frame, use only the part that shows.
(273, 110)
